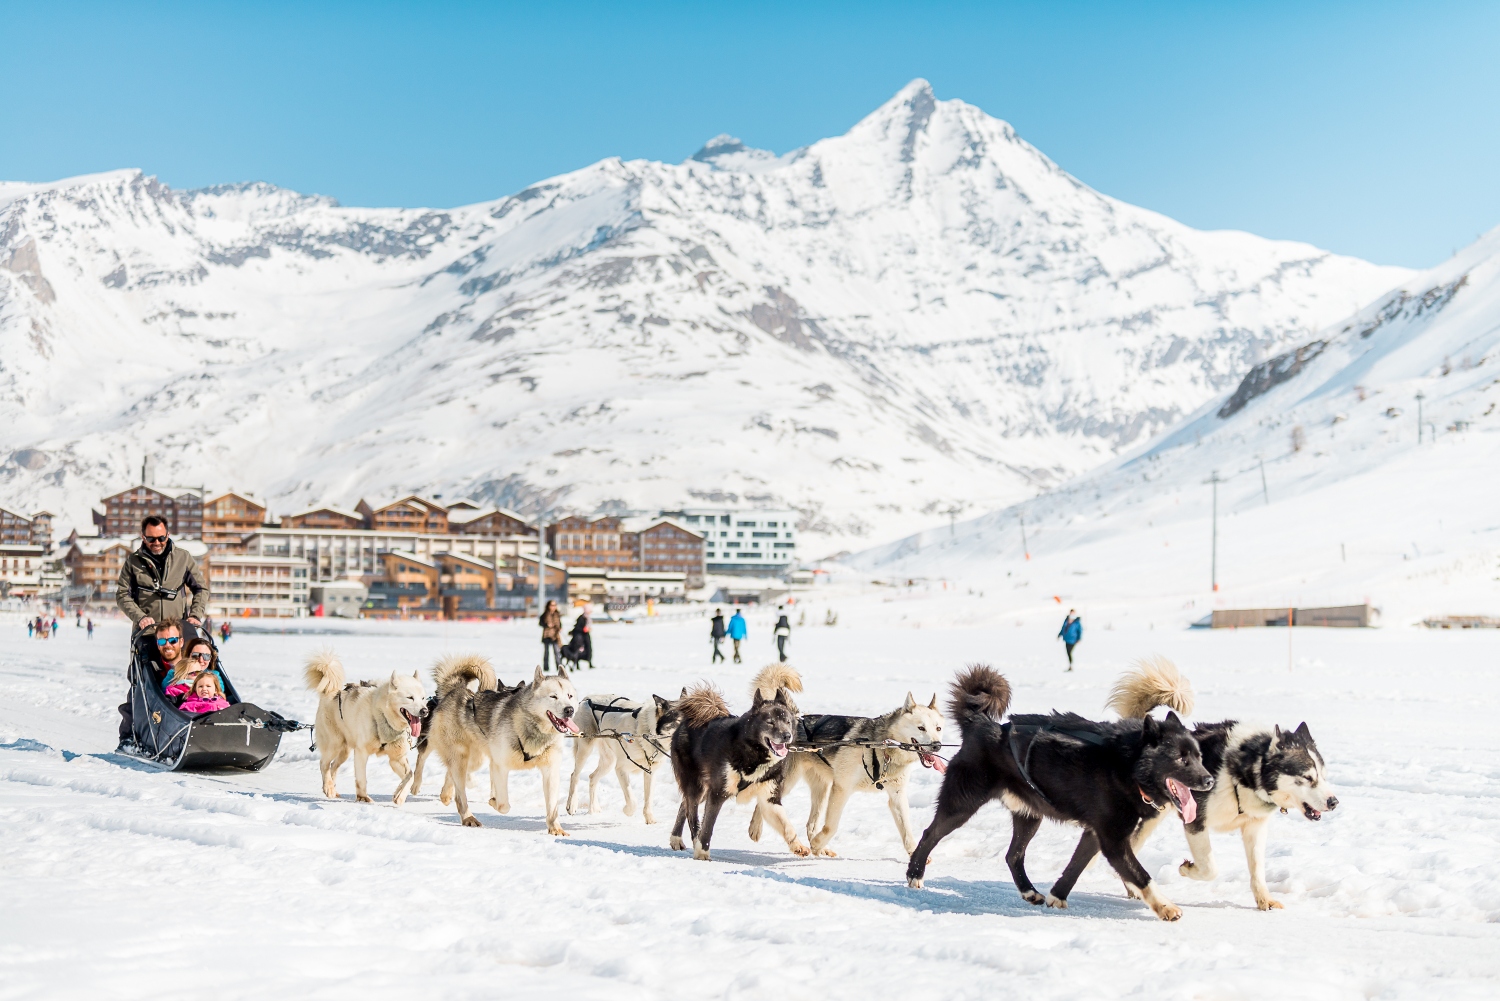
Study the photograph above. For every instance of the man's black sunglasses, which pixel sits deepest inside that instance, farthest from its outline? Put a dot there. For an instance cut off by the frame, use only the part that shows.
(154, 538)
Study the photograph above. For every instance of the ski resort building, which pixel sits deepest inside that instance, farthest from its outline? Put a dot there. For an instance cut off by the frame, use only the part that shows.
(258, 586)
(356, 553)
(743, 540)
(93, 565)
(182, 507)
(20, 569)
(340, 598)
(450, 585)
(228, 518)
(333, 518)
(19, 530)
(409, 514)
(657, 544)
(465, 518)
(618, 590)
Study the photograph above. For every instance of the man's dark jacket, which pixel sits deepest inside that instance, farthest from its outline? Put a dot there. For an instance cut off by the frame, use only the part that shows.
(175, 570)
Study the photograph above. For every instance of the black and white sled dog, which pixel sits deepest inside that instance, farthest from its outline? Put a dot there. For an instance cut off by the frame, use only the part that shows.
(834, 774)
(1258, 770)
(1106, 777)
(514, 728)
(646, 745)
(718, 756)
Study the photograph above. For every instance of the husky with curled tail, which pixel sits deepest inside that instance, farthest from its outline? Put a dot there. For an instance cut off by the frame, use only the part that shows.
(362, 718)
(1258, 770)
(1106, 777)
(516, 728)
(471, 672)
(834, 773)
(718, 756)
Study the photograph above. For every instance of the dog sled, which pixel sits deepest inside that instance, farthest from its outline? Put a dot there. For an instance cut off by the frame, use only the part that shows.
(242, 736)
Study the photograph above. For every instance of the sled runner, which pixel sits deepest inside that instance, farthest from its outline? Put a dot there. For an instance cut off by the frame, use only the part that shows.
(242, 736)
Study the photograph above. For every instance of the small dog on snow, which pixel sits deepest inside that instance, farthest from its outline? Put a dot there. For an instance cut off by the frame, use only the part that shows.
(1258, 770)
(362, 718)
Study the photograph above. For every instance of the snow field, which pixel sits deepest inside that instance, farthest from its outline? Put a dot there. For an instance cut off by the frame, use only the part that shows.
(116, 871)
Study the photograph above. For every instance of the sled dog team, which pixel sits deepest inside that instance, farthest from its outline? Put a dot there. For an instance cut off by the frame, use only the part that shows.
(1115, 780)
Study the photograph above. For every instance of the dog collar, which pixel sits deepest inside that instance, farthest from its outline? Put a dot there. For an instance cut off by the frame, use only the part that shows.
(1144, 798)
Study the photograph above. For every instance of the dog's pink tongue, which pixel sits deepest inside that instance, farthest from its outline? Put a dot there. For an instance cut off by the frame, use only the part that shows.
(1186, 804)
(416, 728)
(936, 763)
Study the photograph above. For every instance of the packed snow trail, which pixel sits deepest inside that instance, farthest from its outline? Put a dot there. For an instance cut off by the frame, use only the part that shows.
(119, 875)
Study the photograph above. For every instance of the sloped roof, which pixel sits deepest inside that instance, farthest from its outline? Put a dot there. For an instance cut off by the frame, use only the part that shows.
(641, 524)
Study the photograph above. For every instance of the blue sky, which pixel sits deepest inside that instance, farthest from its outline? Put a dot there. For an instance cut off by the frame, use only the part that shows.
(1371, 129)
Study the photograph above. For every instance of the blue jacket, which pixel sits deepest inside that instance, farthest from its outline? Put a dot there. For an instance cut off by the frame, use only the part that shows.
(737, 627)
(1072, 630)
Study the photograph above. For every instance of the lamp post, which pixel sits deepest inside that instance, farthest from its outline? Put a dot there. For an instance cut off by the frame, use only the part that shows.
(1214, 545)
(1420, 397)
(541, 561)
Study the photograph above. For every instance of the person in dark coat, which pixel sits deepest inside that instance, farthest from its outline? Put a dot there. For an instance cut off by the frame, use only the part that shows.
(159, 582)
(580, 642)
(1071, 632)
(717, 632)
(551, 622)
(783, 632)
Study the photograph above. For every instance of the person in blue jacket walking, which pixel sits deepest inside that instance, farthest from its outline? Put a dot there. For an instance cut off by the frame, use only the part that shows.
(737, 632)
(1071, 632)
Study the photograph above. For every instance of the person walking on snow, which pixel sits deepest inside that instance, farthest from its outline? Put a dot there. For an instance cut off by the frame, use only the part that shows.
(783, 632)
(716, 634)
(737, 632)
(1071, 632)
(551, 622)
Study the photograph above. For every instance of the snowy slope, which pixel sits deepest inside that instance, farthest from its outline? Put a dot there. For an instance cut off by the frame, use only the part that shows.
(1395, 895)
(1328, 496)
(922, 316)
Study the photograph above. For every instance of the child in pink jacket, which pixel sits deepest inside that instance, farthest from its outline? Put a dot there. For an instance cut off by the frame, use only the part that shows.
(206, 696)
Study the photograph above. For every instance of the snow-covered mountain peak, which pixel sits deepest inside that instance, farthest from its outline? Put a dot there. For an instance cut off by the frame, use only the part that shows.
(924, 315)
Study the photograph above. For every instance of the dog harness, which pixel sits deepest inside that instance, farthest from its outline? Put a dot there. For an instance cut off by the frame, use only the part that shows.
(600, 711)
(1025, 734)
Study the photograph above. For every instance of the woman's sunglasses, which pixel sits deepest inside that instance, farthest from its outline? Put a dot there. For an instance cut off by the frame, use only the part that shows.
(169, 641)
(204, 657)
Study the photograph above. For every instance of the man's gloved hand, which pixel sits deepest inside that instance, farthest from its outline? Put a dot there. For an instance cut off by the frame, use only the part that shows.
(145, 623)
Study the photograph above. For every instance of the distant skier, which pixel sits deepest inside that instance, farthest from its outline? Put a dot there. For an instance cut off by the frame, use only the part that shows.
(91, 628)
(737, 632)
(783, 632)
(1071, 632)
(225, 631)
(716, 634)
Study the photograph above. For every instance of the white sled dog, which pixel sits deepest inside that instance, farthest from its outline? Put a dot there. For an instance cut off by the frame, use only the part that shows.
(650, 726)
(1257, 771)
(834, 774)
(515, 728)
(362, 718)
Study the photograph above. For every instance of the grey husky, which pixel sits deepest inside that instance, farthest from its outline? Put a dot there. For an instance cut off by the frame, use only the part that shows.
(836, 773)
(1259, 770)
(516, 728)
(648, 729)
